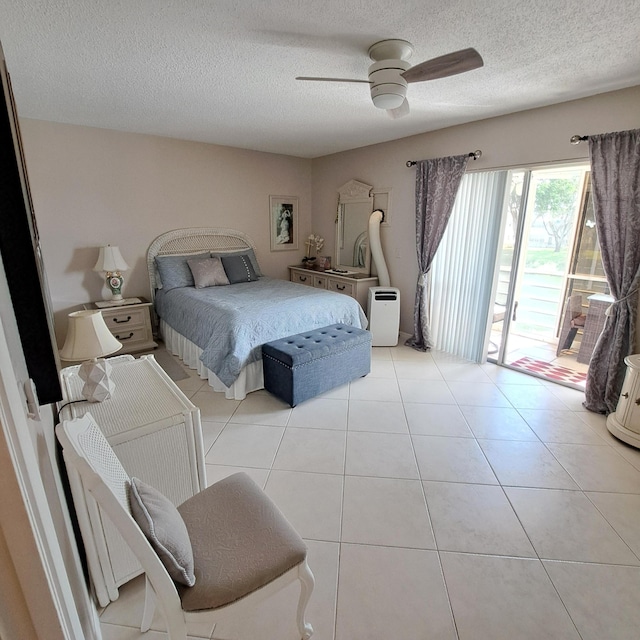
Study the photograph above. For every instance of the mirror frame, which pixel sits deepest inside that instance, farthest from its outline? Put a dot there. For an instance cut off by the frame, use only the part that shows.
(352, 192)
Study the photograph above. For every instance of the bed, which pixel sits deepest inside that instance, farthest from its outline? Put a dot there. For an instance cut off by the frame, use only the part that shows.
(219, 330)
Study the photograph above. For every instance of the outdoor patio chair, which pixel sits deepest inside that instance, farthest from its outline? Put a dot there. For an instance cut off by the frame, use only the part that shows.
(574, 319)
(499, 311)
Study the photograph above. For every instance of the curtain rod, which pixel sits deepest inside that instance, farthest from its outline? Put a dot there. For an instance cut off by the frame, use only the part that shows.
(578, 139)
(473, 154)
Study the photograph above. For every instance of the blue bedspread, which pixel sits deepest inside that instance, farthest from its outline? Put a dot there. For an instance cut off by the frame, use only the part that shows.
(231, 323)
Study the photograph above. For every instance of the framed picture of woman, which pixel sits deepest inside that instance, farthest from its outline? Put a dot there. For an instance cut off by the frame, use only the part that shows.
(283, 217)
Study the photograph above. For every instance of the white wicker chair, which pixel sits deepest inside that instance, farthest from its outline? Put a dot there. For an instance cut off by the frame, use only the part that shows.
(86, 449)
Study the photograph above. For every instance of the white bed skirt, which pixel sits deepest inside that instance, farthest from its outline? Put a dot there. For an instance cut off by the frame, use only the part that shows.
(250, 378)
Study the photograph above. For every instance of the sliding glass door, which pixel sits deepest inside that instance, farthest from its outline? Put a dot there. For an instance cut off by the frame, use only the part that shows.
(551, 272)
(518, 273)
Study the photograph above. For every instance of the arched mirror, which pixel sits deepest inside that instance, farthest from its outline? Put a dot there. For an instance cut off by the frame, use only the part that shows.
(355, 204)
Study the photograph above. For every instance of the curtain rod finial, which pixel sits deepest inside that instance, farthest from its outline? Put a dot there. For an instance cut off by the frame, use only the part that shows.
(578, 139)
(476, 154)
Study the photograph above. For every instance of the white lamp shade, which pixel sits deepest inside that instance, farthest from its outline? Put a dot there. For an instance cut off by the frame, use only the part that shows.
(110, 259)
(88, 337)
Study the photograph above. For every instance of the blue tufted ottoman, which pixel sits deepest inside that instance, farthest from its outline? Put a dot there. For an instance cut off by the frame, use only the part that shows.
(305, 365)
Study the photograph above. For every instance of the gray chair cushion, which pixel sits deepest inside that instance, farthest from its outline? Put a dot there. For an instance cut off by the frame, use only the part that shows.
(165, 529)
(241, 542)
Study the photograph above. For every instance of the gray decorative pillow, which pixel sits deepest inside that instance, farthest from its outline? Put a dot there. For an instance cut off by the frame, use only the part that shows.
(174, 271)
(208, 272)
(239, 269)
(165, 529)
(244, 252)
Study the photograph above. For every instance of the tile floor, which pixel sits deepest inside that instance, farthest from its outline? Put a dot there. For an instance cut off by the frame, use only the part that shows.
(440, 500)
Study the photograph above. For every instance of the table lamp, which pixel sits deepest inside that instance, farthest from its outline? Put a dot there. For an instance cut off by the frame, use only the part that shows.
(89, 337)
(110, 260)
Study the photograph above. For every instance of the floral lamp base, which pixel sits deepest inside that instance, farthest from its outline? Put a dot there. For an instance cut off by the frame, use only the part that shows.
(115, 282)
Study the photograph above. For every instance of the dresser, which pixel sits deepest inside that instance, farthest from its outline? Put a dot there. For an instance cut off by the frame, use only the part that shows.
(129, 323)
(355, 285)
(155, 431)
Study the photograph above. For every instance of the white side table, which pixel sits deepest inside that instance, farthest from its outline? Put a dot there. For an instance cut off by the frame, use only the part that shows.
(625, 422)
(155, 431)
(129, 323)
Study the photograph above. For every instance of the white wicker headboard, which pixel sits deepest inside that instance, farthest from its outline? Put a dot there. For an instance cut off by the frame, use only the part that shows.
(194, 240)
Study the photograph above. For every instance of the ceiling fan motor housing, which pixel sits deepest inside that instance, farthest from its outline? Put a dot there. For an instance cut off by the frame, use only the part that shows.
(388, 87)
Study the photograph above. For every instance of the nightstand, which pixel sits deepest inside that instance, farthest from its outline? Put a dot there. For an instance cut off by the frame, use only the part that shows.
(129, 323)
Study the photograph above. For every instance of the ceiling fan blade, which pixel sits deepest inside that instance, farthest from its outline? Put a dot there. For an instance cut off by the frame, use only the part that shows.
(331, 79)
(444, 66)
(399, 112)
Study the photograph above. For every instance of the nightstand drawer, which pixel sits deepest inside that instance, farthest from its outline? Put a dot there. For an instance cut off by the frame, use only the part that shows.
(118, 320)
(129, 335)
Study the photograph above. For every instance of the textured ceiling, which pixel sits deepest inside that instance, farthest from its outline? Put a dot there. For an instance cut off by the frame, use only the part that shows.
(223, 71)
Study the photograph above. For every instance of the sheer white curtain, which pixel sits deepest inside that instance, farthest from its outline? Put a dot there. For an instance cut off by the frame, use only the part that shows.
(463, 269)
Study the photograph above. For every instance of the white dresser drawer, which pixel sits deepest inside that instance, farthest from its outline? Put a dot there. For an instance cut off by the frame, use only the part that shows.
(356, 286)
(339, 286)
(302, 278)
(320, 282)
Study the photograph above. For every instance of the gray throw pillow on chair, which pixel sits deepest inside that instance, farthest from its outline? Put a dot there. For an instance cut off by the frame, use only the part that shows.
(164, 527)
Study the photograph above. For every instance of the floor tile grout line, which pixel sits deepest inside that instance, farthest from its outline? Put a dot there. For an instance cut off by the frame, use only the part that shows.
(433, 534)
(337, 595)
(588, 497)
(564, 605)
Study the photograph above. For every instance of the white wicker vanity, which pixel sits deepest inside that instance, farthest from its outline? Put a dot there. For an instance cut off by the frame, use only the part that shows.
(155, 431)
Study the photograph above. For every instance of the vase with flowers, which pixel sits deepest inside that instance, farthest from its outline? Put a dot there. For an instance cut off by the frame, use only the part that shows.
(314, 244)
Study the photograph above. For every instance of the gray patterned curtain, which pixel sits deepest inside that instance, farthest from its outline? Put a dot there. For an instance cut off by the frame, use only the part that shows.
(615, 175)
(437, 183)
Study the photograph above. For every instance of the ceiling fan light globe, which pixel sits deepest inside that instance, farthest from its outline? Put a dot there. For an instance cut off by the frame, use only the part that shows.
(389, 99)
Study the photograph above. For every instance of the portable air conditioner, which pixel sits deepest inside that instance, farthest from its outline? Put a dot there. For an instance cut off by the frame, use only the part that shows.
(384, 316)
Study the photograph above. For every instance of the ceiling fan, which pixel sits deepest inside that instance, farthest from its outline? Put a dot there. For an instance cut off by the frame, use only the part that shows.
(390, 72)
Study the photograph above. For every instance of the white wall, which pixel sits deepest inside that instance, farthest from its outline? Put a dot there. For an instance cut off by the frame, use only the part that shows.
(519, 139)
(93, 187)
